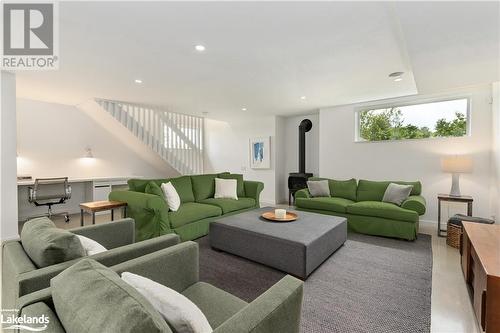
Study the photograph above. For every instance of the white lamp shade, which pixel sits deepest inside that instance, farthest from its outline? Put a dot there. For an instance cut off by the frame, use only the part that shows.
(456, 164)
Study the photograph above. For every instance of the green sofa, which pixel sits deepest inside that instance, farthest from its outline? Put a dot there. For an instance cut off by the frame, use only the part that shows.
(20, 275)
(361, 203)
(198, 206)
(276, 310)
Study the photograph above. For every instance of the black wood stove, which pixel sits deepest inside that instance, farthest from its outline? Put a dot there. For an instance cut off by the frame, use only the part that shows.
(298, 180)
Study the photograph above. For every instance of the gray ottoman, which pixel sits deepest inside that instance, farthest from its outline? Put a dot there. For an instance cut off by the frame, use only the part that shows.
(297, 247)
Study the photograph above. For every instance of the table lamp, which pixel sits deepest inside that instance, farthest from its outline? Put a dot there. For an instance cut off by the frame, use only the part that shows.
(456, 165)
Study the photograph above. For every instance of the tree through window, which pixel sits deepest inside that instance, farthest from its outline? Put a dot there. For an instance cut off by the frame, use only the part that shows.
(418, 121)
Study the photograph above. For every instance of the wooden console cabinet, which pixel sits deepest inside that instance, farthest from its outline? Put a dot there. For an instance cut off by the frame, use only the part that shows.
(481, 267)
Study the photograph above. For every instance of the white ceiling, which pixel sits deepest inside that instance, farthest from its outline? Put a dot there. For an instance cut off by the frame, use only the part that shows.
(265, 55)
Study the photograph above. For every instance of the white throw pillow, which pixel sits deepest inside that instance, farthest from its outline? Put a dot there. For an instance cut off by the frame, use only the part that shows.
(226, 188)
(396, 193)
(90, 246)
(177, 310)
(318, 188)
(171, 196)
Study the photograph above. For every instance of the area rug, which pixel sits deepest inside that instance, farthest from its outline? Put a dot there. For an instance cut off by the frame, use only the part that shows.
(371, 284)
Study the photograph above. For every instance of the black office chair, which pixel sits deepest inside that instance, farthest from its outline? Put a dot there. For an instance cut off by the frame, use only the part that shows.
(49, 192)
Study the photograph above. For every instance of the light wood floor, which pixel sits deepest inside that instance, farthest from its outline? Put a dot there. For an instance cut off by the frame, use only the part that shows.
(451, 309)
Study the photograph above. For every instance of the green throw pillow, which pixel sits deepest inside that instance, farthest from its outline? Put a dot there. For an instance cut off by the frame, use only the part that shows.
(343, 188)
(184, 188)
(181, 184)
(203, 186)
(240, 188)
(153, 188)
(48, 245)
(89, 297)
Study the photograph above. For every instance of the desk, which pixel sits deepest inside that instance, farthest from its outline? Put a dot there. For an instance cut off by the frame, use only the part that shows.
(481, 267)
(83, 189)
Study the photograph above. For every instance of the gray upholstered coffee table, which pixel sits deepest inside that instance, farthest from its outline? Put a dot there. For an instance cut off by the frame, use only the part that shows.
(297, 247)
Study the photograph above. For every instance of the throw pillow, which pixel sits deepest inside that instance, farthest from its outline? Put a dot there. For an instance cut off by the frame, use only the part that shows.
(90, 246)
(177, 310)
(226, 189)
(344, 188)
(318, 188)
(203, 186)
(153, 188)
(171, 196)
(47, 245)
(240, 190)
(396, 193)
(89, 297)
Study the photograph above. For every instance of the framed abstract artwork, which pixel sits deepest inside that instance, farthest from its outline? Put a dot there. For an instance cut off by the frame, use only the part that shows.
(260, 153)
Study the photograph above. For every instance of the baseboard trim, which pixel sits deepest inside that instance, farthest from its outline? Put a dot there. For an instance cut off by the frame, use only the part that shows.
(267, 203)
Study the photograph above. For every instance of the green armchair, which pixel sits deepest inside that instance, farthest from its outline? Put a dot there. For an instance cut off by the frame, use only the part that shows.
(276, 310)
(20, 276)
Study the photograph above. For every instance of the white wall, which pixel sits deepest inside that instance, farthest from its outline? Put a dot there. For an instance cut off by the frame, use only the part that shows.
(227, 149)
(495, 184)
(51, 142)
(8, 186)
(52, 139)
(281, 160)
(342, 158)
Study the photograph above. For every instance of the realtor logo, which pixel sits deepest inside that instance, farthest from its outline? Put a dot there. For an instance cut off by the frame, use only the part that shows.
(29, 36)
(10, 320)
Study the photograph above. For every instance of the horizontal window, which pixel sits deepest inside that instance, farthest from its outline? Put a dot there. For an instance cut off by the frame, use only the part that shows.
(418, 121)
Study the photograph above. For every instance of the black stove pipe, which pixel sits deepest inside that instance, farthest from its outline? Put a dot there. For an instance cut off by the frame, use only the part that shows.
(305, 126)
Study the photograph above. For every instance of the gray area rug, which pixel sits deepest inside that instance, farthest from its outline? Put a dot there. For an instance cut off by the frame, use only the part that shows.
(371, 284)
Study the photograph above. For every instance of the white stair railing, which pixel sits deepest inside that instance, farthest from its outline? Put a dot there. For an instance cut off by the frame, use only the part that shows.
(176, 137)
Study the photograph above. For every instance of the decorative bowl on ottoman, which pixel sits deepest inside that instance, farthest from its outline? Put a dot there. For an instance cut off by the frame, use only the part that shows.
(287, 216)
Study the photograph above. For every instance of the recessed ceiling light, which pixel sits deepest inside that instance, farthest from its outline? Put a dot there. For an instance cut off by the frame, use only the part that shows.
(396, 76)
(302, 97)
(243, 109)
(139, 81)
(199, 48)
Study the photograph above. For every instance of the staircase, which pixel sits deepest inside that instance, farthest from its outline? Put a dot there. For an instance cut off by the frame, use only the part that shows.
(177, 138)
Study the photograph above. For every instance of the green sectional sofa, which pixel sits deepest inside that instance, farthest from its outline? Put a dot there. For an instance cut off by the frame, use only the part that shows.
(198, 206)
(361, 203)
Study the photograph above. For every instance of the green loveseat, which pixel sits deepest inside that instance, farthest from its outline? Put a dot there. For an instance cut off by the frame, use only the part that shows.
(92, 309)
(20, 275)
(198, 206)
(361, 203)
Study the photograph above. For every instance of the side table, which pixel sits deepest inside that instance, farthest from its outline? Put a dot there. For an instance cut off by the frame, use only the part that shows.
(446, 197)
(98, 206)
